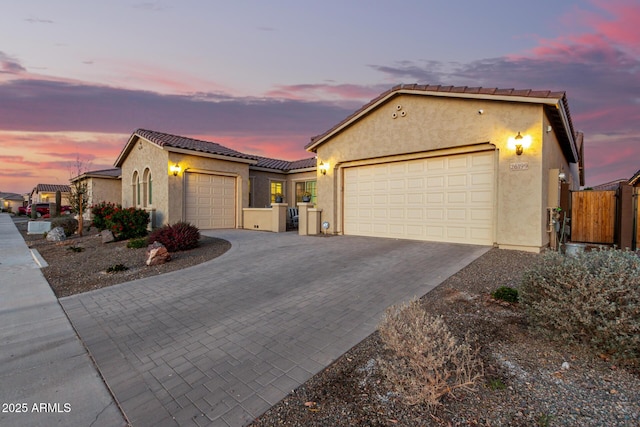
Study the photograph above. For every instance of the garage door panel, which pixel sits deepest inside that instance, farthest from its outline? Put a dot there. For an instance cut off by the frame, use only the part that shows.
(448, 199)
(210, 200)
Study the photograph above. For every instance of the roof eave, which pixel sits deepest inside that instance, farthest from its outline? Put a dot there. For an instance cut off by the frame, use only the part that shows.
(209, 155)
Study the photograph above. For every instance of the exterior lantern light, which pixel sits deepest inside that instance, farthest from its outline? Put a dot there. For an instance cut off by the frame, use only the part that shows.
(324, 167)
(175, 169)
(519, 143)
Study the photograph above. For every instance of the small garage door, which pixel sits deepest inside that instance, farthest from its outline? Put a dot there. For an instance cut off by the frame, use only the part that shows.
(210, 200)
(445, 199)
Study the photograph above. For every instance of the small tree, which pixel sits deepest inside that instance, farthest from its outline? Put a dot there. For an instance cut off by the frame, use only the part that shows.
(79, 192)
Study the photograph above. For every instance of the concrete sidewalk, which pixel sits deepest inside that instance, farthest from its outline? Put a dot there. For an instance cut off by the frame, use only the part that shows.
(217, 344)
(46, 375)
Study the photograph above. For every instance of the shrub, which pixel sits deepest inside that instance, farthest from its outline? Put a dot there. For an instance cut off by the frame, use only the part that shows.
(140, 242)
(128, 223)
(100, 212)
(425, 361)
(180, 236)
(593, 298)
(68, 224)
(117, 268)
(505, 293)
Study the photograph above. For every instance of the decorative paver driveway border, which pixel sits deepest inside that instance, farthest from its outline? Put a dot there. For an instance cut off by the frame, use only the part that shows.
(219, 343)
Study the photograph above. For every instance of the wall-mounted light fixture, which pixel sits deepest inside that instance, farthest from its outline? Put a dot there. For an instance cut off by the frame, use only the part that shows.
(175, 169)
(519, 143)
(562, 176)
(324, 167)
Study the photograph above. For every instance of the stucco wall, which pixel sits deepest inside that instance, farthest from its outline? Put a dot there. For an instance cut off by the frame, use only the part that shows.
(262, 187)
(147, 155)
(104, 190)
(430, 124)
(190, 163)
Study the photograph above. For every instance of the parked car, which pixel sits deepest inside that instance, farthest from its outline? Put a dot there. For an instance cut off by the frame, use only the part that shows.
(22, 210)
(42, 209)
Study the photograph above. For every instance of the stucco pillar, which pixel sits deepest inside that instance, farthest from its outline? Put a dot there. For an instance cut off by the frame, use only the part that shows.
(303, 217)
(279, 218)
(313, 224)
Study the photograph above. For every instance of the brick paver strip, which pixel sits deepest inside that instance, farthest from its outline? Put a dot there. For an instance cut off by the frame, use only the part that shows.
(218, 343)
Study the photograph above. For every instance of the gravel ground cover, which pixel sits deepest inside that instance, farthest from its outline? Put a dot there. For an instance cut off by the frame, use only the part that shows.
(524, 384)
(85, 269)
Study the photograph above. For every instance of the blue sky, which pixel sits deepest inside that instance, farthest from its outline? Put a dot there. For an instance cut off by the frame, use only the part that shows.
(77, 77)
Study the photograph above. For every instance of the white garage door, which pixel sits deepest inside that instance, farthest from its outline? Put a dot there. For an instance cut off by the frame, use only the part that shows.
(210, 200)
(445, 199)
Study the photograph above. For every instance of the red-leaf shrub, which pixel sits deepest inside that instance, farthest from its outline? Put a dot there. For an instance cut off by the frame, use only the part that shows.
(128, 223)
(100, 212)
(180, 236)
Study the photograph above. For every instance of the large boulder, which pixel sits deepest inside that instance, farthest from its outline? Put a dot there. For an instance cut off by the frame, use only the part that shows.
(107, 236)
(157, 254)
(56, 235)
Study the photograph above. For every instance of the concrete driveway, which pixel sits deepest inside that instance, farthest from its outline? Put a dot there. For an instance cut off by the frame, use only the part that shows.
(219, 343)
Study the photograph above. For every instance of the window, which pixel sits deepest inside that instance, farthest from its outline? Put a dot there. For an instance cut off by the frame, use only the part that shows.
(276, 188)
(147, 190)
(250, 185)
(306, 187)
(135, 184)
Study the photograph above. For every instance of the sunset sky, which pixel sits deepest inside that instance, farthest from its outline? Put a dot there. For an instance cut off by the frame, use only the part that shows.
(78, 77)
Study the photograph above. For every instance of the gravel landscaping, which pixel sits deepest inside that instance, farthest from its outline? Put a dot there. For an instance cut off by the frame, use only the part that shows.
(525, 383)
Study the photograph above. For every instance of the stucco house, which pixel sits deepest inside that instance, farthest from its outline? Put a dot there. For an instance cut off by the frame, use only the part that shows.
(102, 186)
(46, 193)
(178, 178)
(450, 164)
(10, 202)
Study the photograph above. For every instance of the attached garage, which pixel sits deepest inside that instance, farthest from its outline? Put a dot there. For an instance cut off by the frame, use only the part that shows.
(210, 200)
(446, 199)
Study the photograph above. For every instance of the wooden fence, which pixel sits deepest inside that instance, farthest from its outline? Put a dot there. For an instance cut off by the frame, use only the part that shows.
(593, 216)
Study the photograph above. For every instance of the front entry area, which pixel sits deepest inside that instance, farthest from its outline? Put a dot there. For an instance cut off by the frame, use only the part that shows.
(440, 199)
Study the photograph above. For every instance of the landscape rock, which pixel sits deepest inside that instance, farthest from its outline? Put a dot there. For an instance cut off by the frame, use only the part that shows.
(56, 235)
(107, 236)
(157, 254)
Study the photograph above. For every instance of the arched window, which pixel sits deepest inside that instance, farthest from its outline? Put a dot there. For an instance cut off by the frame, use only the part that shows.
(147, 188)
(135, 184)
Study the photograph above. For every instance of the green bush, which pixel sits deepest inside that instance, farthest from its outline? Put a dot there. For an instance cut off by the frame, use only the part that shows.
(137, 243)
(68, 224)
(127, 223)
(180, 236)
(505, 293)
(593, 297)
(100, 211)
(117, 268)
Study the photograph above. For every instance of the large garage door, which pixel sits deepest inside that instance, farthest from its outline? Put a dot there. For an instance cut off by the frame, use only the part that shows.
(210, 200)
(445, 199)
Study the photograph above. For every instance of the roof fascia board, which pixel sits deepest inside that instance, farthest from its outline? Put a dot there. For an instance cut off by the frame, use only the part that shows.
(311, 169)
(570, 136)
(209, 155)
(489, 97)
(126, 150)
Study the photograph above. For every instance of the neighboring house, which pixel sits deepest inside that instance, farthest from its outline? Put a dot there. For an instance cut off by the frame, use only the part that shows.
(46, 193)
(607, 186)
(102, 186)
(450, 164)
(10, 202)
(203, 182)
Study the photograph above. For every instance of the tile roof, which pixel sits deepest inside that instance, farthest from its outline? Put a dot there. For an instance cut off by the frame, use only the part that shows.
(285, 165)
(612, 185)
(175, 141)
(52, 188)
(464, 91)
(11, 196)
(103, 173)
(635, 179)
